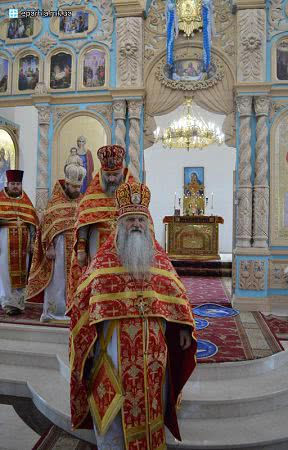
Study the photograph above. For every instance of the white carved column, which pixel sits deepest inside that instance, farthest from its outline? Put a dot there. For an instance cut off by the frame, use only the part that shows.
(261, 186)
(42, 189)
(244, 193)
(130, 58)
(134, 113)
(119, 111)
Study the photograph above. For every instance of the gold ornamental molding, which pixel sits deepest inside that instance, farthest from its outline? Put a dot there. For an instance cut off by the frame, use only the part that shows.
(189, 85)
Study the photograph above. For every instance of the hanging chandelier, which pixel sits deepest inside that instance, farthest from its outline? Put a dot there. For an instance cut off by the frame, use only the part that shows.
(189, 132)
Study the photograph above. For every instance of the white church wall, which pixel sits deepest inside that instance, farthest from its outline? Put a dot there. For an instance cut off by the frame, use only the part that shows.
(165, 176)
(27, 119)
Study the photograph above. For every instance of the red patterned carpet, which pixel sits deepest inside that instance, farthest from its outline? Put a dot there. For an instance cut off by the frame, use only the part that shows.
(227, 333)
(30, 316)
(205, 290)
(277, 325)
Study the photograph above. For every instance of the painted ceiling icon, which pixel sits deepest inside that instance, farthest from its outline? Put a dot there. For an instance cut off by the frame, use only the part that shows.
(214, 311)
(205, 349)
(201, 324)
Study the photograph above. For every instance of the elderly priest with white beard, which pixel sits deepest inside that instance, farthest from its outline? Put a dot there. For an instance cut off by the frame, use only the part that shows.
(131, 326)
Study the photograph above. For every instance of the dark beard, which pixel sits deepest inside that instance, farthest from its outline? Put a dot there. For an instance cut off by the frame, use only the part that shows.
(71, 195)
(14, 194)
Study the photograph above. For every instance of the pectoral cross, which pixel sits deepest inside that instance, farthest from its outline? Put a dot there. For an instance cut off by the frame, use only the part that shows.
(142, 305)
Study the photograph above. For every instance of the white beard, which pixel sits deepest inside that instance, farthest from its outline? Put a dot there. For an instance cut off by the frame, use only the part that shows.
(135, 250)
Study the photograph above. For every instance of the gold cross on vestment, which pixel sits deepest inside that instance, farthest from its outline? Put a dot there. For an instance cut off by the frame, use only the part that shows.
(142, 305)
(19, 222)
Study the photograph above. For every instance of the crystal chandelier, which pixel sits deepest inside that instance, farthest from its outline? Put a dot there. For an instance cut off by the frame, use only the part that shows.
(189, 132)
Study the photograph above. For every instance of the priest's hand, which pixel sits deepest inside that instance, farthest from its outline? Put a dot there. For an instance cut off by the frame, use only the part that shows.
(50, 253)
(82, 258)
(185, 338)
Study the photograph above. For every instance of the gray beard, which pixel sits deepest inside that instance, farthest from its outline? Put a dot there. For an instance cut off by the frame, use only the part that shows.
(110, 188)
(135, 251)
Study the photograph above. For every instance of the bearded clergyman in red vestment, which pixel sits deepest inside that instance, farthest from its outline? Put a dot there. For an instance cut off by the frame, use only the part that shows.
(132, 342)
(18, 222)
(51, 261)
(97, 211)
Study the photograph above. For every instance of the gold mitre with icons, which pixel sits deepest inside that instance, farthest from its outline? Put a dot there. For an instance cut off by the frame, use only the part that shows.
(133, 198)
(111, 157)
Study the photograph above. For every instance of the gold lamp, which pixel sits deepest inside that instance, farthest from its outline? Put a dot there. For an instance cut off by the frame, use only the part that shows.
(189, 132)
(189, 15)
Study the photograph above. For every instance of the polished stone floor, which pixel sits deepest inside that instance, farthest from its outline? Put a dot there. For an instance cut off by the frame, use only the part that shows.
(21, 424)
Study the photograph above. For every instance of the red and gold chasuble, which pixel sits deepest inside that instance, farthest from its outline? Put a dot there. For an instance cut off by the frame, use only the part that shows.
(16, 214)
(94, 208)
(59, 218)
(137, 311)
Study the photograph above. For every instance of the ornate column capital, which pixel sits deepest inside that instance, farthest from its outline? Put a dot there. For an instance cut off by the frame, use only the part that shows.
(244, 105)
(262, 105)
(134, 109)
(119, 109)
(44, 113)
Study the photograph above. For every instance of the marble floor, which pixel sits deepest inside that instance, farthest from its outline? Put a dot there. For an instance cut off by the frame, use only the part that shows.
(21, 424)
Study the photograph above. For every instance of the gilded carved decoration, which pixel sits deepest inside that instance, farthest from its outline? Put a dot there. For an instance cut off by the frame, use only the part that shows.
(45, 43)
(42, 164)
(155, 26)
(61, 111)
(251, 55)
(105, 110)
(244, 194)
(119, 111)
(189, 85)
(276, 18)
(252, 275)
(277, 279)
(261, 186)
(130, 51)
(134, 114)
